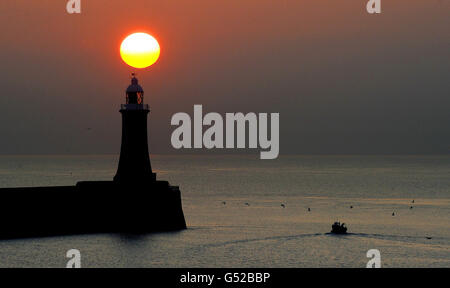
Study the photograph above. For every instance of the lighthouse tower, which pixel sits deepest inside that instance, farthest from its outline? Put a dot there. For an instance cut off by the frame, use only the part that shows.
(134, 163)
(134, 202)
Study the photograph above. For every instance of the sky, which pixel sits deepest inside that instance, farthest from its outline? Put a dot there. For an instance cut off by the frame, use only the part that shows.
(343, 81)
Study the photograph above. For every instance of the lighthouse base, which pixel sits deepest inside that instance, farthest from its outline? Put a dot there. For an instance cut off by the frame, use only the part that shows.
(90, 207)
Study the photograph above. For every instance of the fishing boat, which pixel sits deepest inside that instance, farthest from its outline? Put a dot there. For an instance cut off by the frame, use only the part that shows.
(338, 228)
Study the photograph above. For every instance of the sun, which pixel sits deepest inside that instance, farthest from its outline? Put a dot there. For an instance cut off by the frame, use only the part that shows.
(139, 50)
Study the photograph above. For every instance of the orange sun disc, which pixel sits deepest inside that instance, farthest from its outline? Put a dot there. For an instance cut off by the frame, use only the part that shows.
(140, 50)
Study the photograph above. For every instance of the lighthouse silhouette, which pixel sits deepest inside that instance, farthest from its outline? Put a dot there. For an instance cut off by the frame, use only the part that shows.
(133, 202)
(134, 163)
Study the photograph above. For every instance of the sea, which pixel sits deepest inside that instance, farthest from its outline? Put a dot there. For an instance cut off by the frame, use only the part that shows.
(245, 212)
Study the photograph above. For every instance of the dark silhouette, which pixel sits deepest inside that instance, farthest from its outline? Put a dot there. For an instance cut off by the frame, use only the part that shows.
(338, 228)
(134, 162)
(247, 204)
(282, 205)
(393, 213)
(351, 207)
(135, 202)
(309, 209)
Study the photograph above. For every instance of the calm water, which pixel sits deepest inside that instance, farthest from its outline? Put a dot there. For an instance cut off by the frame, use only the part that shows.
(262, 234)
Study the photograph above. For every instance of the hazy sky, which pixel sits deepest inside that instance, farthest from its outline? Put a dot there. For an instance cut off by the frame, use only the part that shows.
(342, 80)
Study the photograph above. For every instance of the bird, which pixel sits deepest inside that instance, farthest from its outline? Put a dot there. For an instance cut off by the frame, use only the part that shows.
(393, 213)
(429, 238)
(412, 201)
(411, 207)
(224, 202)
(247, 204)
(282, 205)
(309, 209)
(351, 207)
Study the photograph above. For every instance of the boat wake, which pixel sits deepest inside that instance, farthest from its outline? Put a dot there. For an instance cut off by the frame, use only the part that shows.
(300, 236)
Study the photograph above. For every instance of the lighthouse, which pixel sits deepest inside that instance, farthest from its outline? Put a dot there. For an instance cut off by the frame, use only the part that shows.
(134, 162)
(134, 201)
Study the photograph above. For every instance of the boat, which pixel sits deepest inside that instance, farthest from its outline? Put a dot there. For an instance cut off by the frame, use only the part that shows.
(338, 228)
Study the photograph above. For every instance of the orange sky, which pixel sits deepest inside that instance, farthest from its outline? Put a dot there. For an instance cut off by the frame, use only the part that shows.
(325, 64)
